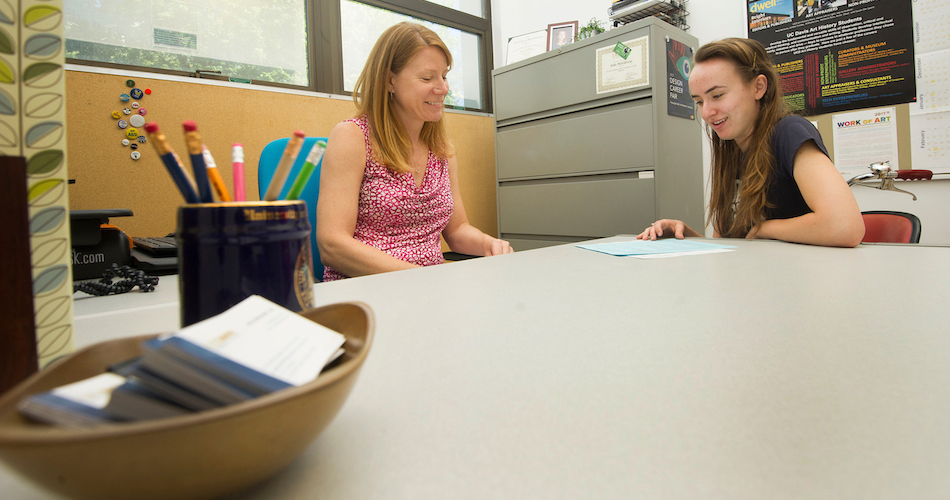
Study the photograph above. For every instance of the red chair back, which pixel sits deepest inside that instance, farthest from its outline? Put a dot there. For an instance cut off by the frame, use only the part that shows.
(890, 227)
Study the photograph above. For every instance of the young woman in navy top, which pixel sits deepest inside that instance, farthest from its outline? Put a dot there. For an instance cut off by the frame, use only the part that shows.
(771, 174)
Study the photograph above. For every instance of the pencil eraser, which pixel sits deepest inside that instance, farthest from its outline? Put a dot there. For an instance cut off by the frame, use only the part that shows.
(237, 145)
(189, 125)
(299, 133)
(151, 127)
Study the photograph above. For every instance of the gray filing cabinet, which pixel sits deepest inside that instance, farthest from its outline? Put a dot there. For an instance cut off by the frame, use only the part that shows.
(574, 164)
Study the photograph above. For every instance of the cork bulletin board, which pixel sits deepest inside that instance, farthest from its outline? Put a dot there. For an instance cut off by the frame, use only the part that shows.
(106, 177)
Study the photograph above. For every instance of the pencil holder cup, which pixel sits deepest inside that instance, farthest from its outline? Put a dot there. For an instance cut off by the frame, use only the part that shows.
(229, 251)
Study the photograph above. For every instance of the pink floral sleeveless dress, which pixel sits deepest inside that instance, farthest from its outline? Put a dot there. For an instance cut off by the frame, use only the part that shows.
(397, 217)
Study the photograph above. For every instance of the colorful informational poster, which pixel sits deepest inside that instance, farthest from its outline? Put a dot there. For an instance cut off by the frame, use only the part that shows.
(864, 137)
(838, 55)
(679, 60)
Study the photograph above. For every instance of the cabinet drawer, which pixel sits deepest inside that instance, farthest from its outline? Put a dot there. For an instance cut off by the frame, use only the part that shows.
(581, 208)
(609, 139)
(562, 78)
(522, 244)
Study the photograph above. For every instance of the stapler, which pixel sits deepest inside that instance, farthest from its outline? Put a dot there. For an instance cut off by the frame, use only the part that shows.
(96, 244)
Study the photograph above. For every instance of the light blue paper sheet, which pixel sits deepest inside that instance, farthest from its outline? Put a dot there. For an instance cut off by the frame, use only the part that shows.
(646, 247)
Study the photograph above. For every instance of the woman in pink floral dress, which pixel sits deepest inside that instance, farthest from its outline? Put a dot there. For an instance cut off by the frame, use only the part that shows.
(389, 181)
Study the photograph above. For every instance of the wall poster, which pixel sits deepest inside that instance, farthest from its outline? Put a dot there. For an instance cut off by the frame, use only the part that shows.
(679, 61)
(864, 137)
(838, 55)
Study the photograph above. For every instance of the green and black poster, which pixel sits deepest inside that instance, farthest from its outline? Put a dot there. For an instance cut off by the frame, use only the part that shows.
(838, 55)
(679, 60)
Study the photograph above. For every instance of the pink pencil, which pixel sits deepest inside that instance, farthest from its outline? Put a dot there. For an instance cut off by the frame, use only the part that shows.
(237, 162)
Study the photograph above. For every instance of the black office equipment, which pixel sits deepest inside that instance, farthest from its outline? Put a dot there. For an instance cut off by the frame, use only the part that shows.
(156, 256)
(96, 245)
(128, 279)
(163, 246)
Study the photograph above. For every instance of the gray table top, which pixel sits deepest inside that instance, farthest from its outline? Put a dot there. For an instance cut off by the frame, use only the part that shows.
(773, 371)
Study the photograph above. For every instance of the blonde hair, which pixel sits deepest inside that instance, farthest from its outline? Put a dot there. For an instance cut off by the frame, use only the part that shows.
(390, 141)
(754, 167)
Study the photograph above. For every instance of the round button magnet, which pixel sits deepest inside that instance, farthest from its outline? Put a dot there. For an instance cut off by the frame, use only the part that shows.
(130, 83)
(148, 91)
(132, 133)
(123, 124)
(116, 115)
(125, 142)
(127, 111)
(137, 120)
(136, 155)
(135, 105)
(142, 111)
(141, 139)
(124, 97)
(134, 146)
(136, 93)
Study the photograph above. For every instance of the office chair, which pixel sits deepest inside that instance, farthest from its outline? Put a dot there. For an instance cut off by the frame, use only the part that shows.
(882, 226)
(270, 157)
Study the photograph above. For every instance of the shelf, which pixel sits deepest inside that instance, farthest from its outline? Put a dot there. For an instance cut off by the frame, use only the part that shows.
(671, 11)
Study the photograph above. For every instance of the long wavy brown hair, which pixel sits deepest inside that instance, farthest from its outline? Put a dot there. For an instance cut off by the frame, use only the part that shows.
(391, 144)
(754, 167)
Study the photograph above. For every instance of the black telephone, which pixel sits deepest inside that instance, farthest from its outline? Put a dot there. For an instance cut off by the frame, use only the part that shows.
(96, 244)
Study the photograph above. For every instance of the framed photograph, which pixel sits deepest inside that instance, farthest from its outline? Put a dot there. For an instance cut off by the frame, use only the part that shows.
(561, 34)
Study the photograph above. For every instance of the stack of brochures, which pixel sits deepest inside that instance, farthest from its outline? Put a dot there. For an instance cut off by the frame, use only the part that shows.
(250, 350)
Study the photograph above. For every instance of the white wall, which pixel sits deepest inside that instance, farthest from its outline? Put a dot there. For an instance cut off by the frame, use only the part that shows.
(710, 20)
(517, 17)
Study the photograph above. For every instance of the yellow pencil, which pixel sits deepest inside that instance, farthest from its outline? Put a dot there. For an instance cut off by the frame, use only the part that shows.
(220, 190)
(283, 167)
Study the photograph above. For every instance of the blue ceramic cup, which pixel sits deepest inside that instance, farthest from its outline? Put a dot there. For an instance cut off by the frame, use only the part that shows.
(229, 251)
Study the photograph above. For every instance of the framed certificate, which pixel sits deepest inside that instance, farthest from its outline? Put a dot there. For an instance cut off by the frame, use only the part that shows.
(524, 46)
(614, 72)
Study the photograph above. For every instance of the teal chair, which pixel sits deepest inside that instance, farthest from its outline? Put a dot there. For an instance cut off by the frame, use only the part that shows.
(270, 157)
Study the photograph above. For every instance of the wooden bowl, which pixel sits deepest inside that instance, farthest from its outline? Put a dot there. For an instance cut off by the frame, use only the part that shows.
(200, 455)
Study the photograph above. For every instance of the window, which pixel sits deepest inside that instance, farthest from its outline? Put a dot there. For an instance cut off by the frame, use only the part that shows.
(364, 23)
(319, 45)
(262, 40)
(473, 7)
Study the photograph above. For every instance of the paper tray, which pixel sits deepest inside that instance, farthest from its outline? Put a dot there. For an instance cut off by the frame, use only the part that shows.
(201, 455)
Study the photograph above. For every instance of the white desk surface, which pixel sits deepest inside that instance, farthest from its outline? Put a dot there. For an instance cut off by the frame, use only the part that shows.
(774, 371)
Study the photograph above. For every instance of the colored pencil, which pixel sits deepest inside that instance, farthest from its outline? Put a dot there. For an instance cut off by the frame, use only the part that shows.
(191, 180)
(283, 168)
(193, 140)
(214, 177)
(157, 138)
(313, 159)
(237, 167)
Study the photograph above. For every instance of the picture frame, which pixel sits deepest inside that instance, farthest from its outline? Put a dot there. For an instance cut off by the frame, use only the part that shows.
(528, 45)
(561, 34)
